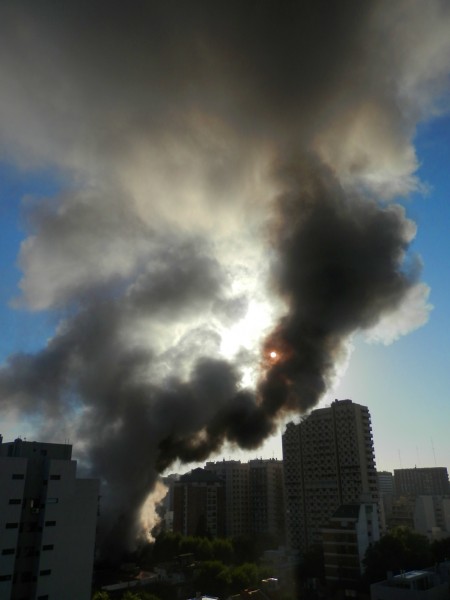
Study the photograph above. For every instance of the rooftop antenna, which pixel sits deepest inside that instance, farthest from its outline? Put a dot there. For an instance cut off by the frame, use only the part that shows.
(434, 453)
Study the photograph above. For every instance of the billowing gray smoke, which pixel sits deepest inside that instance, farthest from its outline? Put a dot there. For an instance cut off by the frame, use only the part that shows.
(210, 155)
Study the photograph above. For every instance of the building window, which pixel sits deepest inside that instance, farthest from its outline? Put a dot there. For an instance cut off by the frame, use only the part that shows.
(6, 551)
(11, 525)
(48, 547)
(15, 501)
(50, 523)
(52, 500)
(55, 477)
(5, 577)
(44, 597)
(18, 476)
(45, 572)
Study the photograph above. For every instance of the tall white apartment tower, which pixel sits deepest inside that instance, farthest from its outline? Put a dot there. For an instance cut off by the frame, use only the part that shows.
(328, 461)
(48, 522)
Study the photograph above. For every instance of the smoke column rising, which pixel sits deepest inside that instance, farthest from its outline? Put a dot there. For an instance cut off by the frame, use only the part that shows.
(212, 154)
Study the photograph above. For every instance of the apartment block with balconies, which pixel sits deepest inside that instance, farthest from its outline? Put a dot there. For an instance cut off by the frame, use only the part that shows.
(328, 461)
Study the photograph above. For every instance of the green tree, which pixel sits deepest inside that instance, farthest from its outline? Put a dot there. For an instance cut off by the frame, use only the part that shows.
(100, 596)
(200, 547)
(141, 595)
(222, 549)
(399, 550)
(245, 548)
(212, 576)
(204, 550)
(246, 575)
(166, 546)
(440, 550)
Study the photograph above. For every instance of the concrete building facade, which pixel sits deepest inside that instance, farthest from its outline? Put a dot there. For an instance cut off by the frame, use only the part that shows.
(432, 516)
(385, 481)
(350, 531)
(48, 523)
(429, 481)
(199, 504)
(236, 478)
(328, 461)
(254, 496)
(267, 509)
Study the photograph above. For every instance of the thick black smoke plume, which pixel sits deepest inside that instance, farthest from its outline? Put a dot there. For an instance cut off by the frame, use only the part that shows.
(340, 267)
(210, 155)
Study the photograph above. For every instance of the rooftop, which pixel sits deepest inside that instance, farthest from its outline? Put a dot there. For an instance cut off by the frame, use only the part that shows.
(23, 449)
(199, 476)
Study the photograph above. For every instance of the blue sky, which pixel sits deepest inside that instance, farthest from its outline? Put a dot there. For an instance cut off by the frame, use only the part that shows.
(22, 330)
(406, 383)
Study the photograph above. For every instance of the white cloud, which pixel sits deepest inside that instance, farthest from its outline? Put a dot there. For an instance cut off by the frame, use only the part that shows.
(412, 313)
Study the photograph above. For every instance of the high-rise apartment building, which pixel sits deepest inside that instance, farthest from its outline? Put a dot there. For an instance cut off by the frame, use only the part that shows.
(385, 483)
(267, 509)
(236, 478)
(199, 504)
(432, 516)
(385, 497)
(48, 523)
(422, 481)
(254, 496)
(328, 461)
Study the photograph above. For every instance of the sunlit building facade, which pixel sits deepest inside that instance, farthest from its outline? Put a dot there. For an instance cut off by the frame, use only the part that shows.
(328, 461)
(48, 523)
